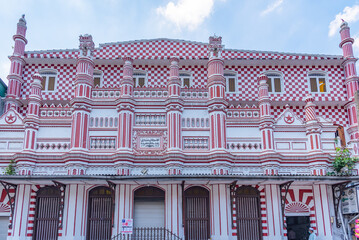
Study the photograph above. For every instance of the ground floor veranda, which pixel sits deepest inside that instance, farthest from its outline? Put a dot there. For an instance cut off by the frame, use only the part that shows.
(187, 207)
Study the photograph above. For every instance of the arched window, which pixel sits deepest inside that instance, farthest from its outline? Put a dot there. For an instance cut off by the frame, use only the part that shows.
(140, 78)
(317, 82)
(274, 82)
(340, 136)
(48, 79)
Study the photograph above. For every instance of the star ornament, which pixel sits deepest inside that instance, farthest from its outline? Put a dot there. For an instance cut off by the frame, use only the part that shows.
(10, 118)
(289, 119)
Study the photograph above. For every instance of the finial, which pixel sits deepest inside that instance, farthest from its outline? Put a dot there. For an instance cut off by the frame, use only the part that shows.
(22, 19)
(87, 46)
(344, 24)
(215, 46)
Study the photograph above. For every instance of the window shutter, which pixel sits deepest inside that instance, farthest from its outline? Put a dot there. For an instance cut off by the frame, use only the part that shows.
(313, 85)
(322, 87)
(43, 83)
(277, 85)
(141, 82)
(232, 85)
(51, 84)
(269, 82)
(97, 81)
(186, 82)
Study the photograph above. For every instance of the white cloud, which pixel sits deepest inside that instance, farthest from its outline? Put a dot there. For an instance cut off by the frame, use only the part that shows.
(349, 14)
(186, 13)
(271, 7)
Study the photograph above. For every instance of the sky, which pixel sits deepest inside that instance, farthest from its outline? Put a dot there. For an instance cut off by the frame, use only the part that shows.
(294, 26)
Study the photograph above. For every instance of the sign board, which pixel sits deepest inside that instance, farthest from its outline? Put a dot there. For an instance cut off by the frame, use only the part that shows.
(350, 201)
(150, 142)
(127, 226)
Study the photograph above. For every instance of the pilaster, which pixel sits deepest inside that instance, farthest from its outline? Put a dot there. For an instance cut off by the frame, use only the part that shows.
(274, 215)
(220, 211)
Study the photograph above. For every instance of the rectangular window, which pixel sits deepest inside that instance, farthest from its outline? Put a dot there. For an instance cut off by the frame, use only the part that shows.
(48, 82)
(231, 84)
(186, 82)
(322, 87)
(97, 81)
(141, 82)
(317, 82)
(51, 84)
(269, 82)
(313, 85)
(277, 85)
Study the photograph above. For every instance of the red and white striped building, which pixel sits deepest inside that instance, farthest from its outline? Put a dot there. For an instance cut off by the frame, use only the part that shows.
(204, 141)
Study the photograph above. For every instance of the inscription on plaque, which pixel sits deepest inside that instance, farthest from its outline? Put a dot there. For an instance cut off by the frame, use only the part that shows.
(150, 142)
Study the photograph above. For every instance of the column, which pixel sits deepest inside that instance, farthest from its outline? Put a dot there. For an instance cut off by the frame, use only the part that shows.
(321, 203)
(266, 120)
(125, 108)
(220, 210)
(123, 205)
(351, 82)
(75, 212)
(174, 209)
(83, 88)
(21, 214)
(17, 64)
(174, 108)
(217, 104)
(274, 212)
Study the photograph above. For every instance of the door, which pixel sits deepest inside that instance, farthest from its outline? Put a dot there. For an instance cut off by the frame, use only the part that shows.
(197, 225)
(47, 213)
(4, 223)
(100, 213)
(297, 227)
(248, 213)
(149, 208)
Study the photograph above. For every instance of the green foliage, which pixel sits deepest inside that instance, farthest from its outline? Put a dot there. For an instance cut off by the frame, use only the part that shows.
(343, 162)
(10, 169)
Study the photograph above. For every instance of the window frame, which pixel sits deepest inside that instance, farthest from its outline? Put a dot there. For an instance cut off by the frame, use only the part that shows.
(135, 79)
(48, 72)
(272, 82)
(182, 77)
(235, 75)
(98, 73)
(325, 76)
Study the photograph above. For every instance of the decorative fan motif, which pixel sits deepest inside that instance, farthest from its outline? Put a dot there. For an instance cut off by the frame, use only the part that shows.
(296, 207)
(4, 208)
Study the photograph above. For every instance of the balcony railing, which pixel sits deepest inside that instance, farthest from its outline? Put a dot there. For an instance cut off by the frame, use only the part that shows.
(154, 233)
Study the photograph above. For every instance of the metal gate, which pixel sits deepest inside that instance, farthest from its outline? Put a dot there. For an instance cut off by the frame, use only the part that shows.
(47, 213)
(248, 213)
(197, 214)
(100, 213)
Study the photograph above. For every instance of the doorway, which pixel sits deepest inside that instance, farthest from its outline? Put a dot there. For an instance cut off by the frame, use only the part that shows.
(149, 208)
(197, 225)
(100, 213)
(297, 227)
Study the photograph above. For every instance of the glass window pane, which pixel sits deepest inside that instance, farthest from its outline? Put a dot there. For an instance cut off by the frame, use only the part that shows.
(269, 82)
(231, 85)
(322, 87)
(51, 84)
(97, 81)
(186, 82)
(141, 82)
(43, 83)
(277, 85)
(313, 85)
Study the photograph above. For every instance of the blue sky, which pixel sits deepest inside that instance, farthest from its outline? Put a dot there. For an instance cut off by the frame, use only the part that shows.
(298, 26)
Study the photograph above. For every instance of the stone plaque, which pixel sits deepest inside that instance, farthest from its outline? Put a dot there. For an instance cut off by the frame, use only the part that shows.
(150, 142)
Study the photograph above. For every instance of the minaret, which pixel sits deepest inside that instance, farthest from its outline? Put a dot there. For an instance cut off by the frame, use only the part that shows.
(125, 108)
(217, 104)
(33, 113)
(17, 64)
(313, 128)
(266, 120)
(83, 87)
(174, 107)
(351, 82)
